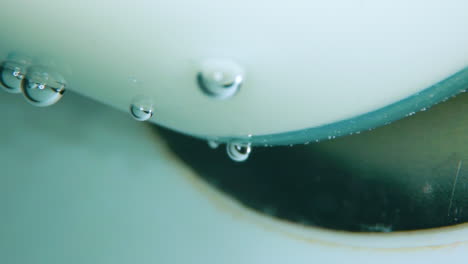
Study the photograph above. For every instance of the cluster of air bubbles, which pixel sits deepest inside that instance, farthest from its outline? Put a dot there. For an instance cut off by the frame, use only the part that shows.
(238, 152)
(220, 79)
(40, 85)
(141, 110)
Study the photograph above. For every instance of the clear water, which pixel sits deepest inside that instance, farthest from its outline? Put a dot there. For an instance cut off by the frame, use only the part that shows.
(213, 144)
(42, 87)
(411, 174)
(141, 111)
(12, 74)
(238, 152)
(220, 79)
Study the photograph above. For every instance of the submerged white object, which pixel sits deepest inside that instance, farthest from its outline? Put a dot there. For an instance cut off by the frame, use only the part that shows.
(75, 196)
(307, 63)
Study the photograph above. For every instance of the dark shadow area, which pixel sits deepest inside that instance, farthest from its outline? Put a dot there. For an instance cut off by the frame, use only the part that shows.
(301, 184)
(410, 175)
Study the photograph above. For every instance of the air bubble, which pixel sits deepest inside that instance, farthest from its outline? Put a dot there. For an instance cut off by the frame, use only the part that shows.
(238, 152)
(220, 79)
(213, 144)
(141, 110)
(42, 87)
(12, 74)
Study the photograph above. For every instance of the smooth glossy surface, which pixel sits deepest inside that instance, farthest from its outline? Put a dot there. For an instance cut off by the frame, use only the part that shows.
(308, 63)
(455, 85)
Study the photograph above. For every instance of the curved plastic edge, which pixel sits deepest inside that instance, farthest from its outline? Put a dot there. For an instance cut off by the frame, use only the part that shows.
(441, 91)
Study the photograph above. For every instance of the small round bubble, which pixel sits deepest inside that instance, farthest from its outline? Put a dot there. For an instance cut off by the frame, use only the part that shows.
(42, 87)
(141, 112)
(13, 70)
(12, 73)
(238, 152)
(220, 79)
(213, 144)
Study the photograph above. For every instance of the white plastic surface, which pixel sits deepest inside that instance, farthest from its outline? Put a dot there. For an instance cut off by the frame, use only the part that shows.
(307, 63)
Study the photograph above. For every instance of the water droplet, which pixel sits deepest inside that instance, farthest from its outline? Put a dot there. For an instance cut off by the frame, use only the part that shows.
(220, 79)
(13, 70)
(43, 87)
(141, 110)
(12, 74)
(213, 144)
(238, 152)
